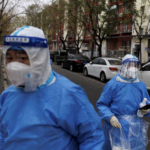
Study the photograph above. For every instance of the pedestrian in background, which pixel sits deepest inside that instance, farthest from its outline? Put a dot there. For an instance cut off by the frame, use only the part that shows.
(118, 106)
(43, 110)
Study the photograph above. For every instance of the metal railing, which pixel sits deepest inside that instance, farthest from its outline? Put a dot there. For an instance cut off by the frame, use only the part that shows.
(117, 53)
(125, 48)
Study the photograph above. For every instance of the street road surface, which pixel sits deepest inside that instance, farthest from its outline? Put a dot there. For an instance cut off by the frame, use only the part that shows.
(92, 86)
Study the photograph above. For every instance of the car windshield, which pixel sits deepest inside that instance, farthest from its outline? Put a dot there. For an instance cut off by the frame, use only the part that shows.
(63, 54)
(114, 62)
(81, 57)
(53, 52)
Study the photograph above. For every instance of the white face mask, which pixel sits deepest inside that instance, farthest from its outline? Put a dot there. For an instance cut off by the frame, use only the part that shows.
(17, 72)
(132, 72)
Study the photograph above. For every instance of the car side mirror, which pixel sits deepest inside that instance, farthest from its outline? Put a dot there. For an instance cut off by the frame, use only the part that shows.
(90, 62)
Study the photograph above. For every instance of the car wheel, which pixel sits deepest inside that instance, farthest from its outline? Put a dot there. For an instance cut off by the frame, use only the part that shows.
(62, 65)
(85, 72)
(102, 77)
(71, 67)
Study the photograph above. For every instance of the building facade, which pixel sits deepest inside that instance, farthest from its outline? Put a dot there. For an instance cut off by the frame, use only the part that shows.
(119, 43)
(123, 41)
(144, 12)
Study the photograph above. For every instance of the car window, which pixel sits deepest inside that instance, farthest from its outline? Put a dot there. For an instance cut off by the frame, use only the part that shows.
(115, 62)
(56, 53)
(81, 57)
(146, 68)
(70, 57)
(95, 61)
(63, 54)
(73, 57)
(102, 62)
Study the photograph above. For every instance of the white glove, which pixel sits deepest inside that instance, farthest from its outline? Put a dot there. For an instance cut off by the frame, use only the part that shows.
(144, 111)
(114, 122)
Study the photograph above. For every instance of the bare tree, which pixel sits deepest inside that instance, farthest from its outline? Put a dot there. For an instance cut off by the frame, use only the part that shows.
(8, 10)
(75, 27)
(58, 21)
(140, 23)
(34, 15)
(98, 18)
(18, 21)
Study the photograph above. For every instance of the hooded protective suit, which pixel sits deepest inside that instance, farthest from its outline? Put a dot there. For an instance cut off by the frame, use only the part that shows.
(54, 113)
(121, 98)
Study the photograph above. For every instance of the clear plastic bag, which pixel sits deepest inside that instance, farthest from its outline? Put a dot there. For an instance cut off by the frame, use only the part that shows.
(132, 136)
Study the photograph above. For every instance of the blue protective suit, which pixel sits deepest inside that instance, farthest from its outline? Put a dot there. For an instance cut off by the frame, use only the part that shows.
(119, 99)
(56, 117)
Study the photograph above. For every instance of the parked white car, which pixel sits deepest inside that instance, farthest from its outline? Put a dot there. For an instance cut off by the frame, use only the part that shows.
(144, 75)
(103, 68)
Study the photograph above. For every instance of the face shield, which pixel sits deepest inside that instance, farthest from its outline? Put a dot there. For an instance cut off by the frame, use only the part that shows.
(130, 67)
(39, 70)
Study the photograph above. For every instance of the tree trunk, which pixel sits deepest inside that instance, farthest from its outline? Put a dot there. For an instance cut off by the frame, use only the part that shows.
(92, 49)
(100, 49)
(140, 51)
(77, 50)
(64, 46)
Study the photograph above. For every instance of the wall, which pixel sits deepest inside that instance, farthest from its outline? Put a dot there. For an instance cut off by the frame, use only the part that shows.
(144, 46)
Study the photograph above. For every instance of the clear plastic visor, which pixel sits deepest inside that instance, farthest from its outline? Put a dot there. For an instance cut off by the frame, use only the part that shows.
(132, 65)
(17, 56)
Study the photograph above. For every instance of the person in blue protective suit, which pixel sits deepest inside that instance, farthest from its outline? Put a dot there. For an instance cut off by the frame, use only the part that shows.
(43, 110)
(119, 103)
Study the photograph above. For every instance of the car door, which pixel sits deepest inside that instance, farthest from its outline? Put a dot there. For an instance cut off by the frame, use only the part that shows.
(99, 66)
(144, 75)
(68, 61)
(91, 66)
(65, 61)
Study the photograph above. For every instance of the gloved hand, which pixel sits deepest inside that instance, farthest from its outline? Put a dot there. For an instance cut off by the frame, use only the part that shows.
(114, 122)
(144, 111)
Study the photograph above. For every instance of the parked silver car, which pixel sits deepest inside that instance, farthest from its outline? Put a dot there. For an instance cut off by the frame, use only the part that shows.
(103, 68)
(144, 74)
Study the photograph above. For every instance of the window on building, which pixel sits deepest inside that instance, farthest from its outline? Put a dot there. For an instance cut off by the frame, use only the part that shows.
(115, 45)
(125, 27)
(88, 33)
(85, 44)
(142, 10)
(121, 28)
(126, 7)
(121, 9)
(148, 43)
(124, 43)
(116, 27)
(108, 44)
(129, 43)
(141, 31)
